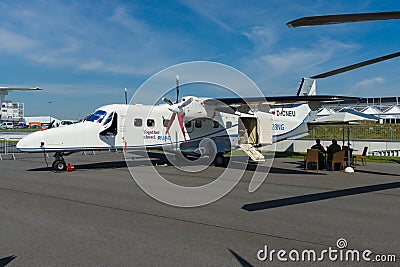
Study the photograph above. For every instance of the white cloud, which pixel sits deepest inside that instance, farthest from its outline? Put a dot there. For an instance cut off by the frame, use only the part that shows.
(370, 83)
(211, 10)
(92, 65)
(15, 43)
(121, 17)
(261, 36)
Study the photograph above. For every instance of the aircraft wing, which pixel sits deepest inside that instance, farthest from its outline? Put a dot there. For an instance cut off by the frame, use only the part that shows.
(244, 105)
(18, 89)
(342, 18)
(276, 100)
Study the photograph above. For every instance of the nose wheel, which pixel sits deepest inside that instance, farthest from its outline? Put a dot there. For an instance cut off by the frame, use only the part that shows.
(59, 165)
(59, 162)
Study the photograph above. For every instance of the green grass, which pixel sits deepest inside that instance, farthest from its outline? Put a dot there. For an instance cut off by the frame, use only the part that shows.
(19, 130)
(9, 142)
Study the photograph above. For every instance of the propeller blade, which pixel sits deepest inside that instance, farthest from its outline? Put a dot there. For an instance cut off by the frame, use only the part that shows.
(166, 100)
(171, 120)
(180, 119)
(177, 108)
(177, 89)
(342, 18)
(185, 103)
(355, 66)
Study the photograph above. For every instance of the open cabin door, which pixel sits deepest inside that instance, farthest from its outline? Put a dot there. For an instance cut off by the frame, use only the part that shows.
(248, 130)
(264, 129)
(249, 137)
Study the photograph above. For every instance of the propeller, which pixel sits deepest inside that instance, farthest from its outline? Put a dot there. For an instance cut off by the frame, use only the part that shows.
(177, 110)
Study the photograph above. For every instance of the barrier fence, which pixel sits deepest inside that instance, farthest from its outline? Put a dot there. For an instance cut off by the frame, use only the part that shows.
(357, 132)
(8, 147)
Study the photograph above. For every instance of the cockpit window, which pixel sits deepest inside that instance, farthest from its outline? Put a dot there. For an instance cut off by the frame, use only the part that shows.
(98, 116)
(109, 118)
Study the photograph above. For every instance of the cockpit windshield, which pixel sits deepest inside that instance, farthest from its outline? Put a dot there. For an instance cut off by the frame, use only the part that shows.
(98, 116)
(109, 118)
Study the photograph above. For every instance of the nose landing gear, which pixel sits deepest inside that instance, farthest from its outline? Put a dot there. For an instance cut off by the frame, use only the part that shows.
(59, 162)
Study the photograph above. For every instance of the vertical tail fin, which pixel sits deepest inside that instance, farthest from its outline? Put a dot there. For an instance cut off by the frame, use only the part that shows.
(307, 86)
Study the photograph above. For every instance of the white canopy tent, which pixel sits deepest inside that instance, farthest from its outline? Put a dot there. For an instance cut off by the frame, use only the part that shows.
(371, 111)
(392, 114)
(325, 112)
(346, 117)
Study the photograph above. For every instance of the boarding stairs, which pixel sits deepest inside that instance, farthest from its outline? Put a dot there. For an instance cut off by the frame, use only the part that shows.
(253, 153)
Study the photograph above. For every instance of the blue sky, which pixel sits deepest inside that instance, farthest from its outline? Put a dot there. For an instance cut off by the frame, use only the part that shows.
(84, 53)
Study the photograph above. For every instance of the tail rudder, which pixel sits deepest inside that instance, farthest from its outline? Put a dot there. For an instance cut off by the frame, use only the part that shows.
(307, 86)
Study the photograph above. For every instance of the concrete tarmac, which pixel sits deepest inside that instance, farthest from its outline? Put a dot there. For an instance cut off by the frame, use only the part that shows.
(98, 215)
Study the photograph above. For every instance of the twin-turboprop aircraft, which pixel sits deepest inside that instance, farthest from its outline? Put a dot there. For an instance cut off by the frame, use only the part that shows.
(198, 126)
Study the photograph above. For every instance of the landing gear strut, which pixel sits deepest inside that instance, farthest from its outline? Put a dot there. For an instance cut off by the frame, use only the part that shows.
(59, 162)
(220, 160)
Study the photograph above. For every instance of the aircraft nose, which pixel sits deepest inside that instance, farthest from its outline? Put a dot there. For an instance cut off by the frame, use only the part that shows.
(30, 142)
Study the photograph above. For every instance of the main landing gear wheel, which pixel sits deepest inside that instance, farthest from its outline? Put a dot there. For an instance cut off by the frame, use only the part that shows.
(59, 165)
(219, 160)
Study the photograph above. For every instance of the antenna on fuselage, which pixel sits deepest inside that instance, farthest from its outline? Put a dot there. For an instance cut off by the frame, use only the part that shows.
(177, 89)
(126, 96)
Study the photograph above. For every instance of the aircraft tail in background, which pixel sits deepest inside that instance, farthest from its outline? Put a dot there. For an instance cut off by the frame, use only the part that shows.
(308, 86)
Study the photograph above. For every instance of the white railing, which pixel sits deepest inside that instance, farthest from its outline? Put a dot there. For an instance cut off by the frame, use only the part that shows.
(8, 147)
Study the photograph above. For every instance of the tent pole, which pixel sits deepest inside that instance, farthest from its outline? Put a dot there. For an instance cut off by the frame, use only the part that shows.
(343, 133)
(348, 144)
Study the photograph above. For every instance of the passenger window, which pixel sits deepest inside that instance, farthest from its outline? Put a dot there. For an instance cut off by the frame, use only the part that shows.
(165, 123)
(188, 124)
(198, 124)
(228, 124)
(215, 124)
(151, 123)
(137, 122)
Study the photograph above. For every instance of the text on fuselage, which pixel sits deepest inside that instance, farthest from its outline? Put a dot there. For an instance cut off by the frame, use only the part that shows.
(286, 113)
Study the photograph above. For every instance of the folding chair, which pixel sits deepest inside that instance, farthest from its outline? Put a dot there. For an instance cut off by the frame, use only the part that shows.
(363, 157)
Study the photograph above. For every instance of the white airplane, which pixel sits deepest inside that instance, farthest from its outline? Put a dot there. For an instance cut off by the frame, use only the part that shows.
(230, 123)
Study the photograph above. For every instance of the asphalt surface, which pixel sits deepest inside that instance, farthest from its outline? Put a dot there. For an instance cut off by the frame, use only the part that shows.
(98, 216)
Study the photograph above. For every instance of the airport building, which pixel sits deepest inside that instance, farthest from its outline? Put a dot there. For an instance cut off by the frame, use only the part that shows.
(12, 111)
(387, 109)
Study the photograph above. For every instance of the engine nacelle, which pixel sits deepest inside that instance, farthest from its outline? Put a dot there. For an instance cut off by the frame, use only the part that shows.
(197, 109)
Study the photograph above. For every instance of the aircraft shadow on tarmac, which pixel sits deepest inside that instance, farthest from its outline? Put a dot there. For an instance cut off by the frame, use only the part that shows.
(157, 159)
(6, 260)
(318, 196)
(241, 261)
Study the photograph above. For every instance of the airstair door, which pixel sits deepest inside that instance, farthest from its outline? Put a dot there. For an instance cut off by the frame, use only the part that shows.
(264, 128)
(252, 152)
